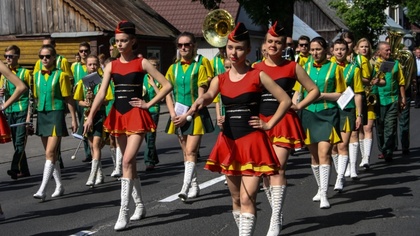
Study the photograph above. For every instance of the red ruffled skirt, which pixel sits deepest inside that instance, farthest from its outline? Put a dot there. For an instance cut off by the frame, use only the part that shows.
(251, 154)
(135, 121)
(5, 132)
(288, 133)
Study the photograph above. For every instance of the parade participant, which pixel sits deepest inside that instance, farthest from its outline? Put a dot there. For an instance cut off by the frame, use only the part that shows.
(61, 64)
(152, 87)
(236, 154)
(351, 115)
(349, 38)
(18, 112)
(392, 98)
(79, 71)
(185, 92)
(77, 58)
(84, 96)
(320, 119)
(20, 89)
(52, 89)
(289, 50)
(288, 134)
(364, 52)
(129, 118)
(303, 48)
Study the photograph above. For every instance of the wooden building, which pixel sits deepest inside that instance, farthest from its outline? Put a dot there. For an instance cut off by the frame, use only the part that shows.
(26, 23)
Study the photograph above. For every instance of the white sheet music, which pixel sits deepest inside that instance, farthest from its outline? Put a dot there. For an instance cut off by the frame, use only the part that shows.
(180, 109)
(345, 98)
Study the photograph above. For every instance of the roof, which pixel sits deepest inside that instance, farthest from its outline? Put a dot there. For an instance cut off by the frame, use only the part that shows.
(105, 14)
(324, 6)
(301, 28)
(189, 16)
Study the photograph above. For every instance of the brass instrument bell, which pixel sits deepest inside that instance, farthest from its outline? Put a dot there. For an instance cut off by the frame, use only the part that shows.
(217, 26)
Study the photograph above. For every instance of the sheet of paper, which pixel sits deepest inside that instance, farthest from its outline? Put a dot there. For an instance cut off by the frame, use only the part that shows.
(345, 98)
(387, 66)
(91, 80)
(180, 109)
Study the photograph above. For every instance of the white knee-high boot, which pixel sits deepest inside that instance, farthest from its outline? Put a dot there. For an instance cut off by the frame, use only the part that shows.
(335, 161)
(342, 164)
(113, 153)
(315, 170)
(278, 193)
(367, 146)
(126, 189)
(117, 173)
(353, 149)
(324, 176)
(92, 176)
(188, 173)
(140, 211)
(48, 170)
(246, 224)
(236, 216)
(362, 150)
(59, 189)
(99, 174)
(194, 190)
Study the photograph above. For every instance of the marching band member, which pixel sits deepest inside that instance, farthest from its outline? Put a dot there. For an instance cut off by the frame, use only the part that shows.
(351, 115)
(52, 89)
(391, 100)
(80, 70)
(236, 154)
(364, 52)
(189, 79)
(4, 104)
(303, 48)
(129, 118)
(288, 133)
(85, 96)
(18, 112)
(152, 88)
(320, 119)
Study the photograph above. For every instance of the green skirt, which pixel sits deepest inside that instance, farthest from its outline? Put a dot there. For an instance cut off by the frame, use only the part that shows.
(321, 126)
(51, 123)
(347, 120)
(98, 125)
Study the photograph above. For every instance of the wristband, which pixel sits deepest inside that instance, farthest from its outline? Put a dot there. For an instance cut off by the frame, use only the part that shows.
(359, 115)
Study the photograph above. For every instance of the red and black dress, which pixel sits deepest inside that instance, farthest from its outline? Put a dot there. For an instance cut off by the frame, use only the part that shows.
(241, 149)
(123, 118)
(288, 133)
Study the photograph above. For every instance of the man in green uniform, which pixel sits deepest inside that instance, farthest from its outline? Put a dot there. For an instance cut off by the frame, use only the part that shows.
(392, 98)
(18, 112)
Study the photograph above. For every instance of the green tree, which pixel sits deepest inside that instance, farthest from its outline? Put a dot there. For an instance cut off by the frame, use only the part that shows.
(262, 12)
(413, 10)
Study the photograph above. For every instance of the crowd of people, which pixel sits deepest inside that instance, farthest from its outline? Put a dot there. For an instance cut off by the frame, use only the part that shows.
(287, 102)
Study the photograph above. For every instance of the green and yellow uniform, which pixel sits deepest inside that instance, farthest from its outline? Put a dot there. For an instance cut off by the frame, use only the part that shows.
(320, 119)
(186, 79)
(366, 72)
(18, 113)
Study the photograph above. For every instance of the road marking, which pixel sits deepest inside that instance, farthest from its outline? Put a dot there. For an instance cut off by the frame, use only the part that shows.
(84, 233)
(202, 186)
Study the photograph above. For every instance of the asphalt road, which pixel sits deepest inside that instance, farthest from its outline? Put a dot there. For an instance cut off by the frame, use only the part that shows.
(384, 201)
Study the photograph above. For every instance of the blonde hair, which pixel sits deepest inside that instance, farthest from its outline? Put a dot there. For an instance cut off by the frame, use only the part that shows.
(369, 54)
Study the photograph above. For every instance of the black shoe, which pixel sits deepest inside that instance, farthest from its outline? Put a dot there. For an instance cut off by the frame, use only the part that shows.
(23, 175)
(12, 174)
(150, 168)
(87, 159)
(406, 152)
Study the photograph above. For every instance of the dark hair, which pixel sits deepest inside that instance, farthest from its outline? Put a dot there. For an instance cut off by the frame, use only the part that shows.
(109, 59)
(50, 48)
(85, 44)
(14, 48)
(341, 41)
(321, 41)
(52, 41)
(153, 58)
(186, 34)
(347, 34)
(304, 37)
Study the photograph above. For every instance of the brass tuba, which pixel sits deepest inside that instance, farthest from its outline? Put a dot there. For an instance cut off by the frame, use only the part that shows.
(217, 26)
(405, 57)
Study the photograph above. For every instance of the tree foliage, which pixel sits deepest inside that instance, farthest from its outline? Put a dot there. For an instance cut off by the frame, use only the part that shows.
(413, 10)
(365, 18)
(262, 12)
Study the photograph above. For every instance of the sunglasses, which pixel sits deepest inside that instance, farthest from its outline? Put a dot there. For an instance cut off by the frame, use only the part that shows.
(44, 56)
(304, 45)
(83, 51)
(9, 56)
(180, 45)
